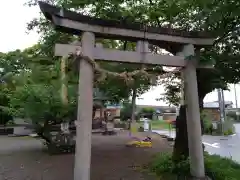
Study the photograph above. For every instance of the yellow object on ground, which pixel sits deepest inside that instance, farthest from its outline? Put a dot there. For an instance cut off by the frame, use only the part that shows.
(140, 144)
(134, 127)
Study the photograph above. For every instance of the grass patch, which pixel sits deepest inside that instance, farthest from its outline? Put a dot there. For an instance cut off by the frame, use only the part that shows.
(216, 167)
(158, 125)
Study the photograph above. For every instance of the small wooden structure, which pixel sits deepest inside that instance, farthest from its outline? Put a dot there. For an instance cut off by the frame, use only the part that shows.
(182, 44)
(99, 103)
(99, 99)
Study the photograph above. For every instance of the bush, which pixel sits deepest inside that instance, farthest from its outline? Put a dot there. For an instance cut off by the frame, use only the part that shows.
(228, 132)
(232, 115)
(10, 122)
(207, 124)
(216, 167)
(228, 126)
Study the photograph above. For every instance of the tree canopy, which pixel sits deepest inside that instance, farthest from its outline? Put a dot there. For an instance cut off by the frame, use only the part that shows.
(220, 18)
(30, 80)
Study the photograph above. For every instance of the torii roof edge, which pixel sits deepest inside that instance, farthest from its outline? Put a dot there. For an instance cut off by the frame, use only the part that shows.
(56, 14)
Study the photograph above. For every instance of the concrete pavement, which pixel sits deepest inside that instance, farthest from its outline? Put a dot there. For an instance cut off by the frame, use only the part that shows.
(225, 146)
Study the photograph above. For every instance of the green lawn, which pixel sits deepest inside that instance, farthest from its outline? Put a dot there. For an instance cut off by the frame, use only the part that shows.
(158, 125)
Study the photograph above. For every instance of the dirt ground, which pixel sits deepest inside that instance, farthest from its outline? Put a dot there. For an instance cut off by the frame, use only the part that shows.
(23, 159)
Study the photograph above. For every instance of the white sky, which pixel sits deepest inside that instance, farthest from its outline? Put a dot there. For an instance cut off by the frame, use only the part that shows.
(14, 17)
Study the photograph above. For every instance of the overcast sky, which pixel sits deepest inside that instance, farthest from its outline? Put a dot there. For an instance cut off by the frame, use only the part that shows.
(14, 17)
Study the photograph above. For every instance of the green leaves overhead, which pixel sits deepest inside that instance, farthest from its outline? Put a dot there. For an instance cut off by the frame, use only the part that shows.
(219, 17)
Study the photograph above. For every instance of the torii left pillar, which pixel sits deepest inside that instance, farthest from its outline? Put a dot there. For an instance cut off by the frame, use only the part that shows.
(85, 104)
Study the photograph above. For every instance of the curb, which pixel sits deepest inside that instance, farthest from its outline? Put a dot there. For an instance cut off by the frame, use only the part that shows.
(15, 135)
(165, 137)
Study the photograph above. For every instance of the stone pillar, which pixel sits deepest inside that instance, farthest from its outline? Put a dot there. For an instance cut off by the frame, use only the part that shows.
(141, 47)
(193, 115)
(85, 105)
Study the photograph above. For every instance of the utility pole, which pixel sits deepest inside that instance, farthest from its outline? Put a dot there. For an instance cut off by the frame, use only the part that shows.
(221, 107)
(236, 102)
(235, 92)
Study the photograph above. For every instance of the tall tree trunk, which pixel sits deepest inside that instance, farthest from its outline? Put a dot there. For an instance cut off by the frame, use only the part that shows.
(201, 109)
(64, 90)
(181, 150)
(181, 141)
(43, 131)
(133, 118)
(132, 123)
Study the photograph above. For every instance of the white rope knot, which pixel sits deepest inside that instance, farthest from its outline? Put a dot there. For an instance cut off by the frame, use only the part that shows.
(78, 52)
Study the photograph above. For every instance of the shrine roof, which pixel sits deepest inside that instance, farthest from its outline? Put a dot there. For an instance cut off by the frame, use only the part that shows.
(56, 14)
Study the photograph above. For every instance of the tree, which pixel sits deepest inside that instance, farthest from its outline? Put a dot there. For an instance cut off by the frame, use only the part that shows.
(42, 105)
(12, 64)
(33, 92)
(219, 17)
(222, 19)
(117, 90)
(126, 111)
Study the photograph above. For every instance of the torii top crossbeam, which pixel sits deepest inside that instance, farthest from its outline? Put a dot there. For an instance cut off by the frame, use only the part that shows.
(75, 23)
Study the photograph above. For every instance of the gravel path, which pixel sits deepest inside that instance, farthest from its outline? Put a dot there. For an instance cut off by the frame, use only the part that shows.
(24, 159)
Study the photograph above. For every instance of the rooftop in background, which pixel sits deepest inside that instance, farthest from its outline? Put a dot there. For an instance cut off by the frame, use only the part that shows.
(159, 109)
(215, 104)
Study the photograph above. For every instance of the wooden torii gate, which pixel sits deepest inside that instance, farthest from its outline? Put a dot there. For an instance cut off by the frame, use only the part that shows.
(182, 44)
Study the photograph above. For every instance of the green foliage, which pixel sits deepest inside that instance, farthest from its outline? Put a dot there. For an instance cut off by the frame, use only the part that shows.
(228, 126)
(10, 123)
(232, 115)
(4, 101)
(126, 111)
(228, 132)
(11, 65)
(216, 167)
(116, 89)
(220, 18)
(41, 102)
(147, 110)
(207, 123)
(32, 90)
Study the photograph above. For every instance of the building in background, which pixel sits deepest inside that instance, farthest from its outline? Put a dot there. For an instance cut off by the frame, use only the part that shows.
(212, 109)
(114, 109)
(160, 112)
(215, 104)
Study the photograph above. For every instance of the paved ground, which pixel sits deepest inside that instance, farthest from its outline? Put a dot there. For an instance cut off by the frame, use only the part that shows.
(24, 159)
(224, 146)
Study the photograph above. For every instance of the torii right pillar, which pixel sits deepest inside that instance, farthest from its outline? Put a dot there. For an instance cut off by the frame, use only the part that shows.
(193, 114)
